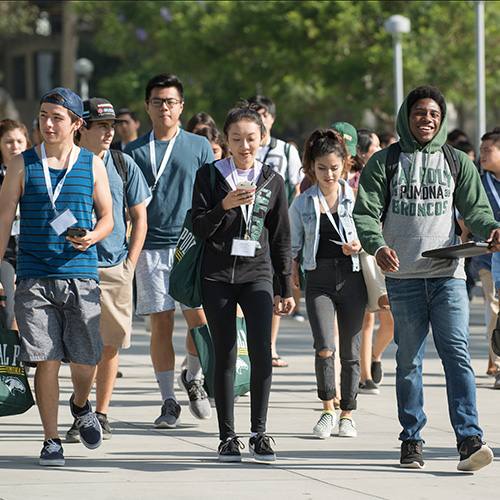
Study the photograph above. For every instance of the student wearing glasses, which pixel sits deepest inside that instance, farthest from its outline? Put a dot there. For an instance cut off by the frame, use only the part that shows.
(169, 158)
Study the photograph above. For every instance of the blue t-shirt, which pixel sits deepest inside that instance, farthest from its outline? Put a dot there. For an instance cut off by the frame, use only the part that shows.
(484, 261)
(114, 249)
(172, 197)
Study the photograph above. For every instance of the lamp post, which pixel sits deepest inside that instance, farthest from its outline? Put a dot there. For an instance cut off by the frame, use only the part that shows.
(83, 70)
(397, 25)
(480, 79)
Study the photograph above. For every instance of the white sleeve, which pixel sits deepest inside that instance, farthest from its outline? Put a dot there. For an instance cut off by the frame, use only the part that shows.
(295, 175)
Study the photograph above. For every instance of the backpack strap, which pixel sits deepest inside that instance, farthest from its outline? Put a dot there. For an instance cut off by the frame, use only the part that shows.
(391, 165)
(455, 167)
(272, 145)
(121, 168)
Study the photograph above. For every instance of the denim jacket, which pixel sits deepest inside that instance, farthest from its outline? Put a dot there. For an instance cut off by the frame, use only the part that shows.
(304, 221)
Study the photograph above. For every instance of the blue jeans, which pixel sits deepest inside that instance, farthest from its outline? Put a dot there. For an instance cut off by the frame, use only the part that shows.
(443, 304)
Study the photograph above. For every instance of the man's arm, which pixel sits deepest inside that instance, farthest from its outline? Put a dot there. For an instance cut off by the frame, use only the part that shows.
(10, 194)
(139, 220)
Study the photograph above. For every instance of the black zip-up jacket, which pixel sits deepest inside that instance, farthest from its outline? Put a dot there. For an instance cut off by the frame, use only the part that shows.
(270, 227)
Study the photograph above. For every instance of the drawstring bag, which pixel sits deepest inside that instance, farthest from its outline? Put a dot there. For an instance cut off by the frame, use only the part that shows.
(203, 342)
(185, 277)
(15, 392)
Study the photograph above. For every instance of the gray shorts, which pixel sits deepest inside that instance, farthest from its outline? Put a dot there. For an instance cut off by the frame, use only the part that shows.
(152, 275)
(59, 318)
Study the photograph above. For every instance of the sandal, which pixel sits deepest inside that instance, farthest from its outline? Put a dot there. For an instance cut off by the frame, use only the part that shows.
(278, 362)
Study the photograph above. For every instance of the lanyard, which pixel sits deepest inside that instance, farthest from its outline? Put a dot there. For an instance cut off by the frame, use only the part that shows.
(246, 210)
(494, 192)
(152, 155)
(329, 214)
(53, 195)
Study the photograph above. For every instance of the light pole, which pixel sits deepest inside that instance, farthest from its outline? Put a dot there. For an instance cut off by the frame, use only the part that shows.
(397, 25)
(480, 80)
(83, 70)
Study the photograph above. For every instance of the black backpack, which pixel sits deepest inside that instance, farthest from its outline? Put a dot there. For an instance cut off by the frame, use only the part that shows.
(121, 168)
(391, 166)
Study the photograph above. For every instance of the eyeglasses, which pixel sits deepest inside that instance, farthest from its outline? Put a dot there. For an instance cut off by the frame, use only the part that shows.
(157, 102)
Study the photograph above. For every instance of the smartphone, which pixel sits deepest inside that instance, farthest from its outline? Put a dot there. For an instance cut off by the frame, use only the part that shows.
(76, 231)
(246, 186)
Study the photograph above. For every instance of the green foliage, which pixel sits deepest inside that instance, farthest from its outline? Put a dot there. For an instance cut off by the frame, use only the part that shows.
(17, 17)
(320, 61)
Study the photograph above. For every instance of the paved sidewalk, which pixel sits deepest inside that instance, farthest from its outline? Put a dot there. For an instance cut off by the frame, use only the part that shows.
(143, 462)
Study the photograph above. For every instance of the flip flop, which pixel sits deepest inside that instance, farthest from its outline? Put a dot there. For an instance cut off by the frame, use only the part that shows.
(278, 362)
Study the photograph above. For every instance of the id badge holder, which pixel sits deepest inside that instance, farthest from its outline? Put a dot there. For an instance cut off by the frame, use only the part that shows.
(61, 222)
(243, 248)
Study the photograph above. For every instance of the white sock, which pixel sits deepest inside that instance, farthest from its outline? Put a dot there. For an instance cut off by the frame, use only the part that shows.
(193, 368)
(166, 382)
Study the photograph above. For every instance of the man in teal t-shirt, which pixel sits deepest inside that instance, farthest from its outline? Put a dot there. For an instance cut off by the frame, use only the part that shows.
(117, 257)
(169, 158)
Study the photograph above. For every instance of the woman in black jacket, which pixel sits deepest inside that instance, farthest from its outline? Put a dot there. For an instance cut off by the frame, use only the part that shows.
(244, 220)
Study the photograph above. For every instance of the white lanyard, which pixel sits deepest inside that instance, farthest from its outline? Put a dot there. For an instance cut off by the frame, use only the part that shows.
(152, 155)
(246, 210)
(494, 192)
(53, 195)
(329, 214)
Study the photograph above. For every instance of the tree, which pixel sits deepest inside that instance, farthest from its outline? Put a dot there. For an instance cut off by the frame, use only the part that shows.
(320, 61)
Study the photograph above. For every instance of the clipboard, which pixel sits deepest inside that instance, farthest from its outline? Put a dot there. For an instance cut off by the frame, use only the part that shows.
(464, 250)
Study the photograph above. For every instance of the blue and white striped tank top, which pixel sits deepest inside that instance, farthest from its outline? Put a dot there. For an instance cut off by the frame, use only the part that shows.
(42, 253)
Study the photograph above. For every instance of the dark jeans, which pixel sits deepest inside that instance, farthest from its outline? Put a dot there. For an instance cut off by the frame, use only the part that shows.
(219, 304)
(333, 287)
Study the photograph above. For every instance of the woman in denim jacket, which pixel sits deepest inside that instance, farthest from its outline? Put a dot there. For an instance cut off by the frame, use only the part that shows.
(323, 228)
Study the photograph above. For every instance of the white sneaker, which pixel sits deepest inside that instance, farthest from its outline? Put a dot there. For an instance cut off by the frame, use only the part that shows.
(326, 423)
(347, 428)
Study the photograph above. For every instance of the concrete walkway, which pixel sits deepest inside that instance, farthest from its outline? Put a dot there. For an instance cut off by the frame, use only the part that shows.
(143, 462)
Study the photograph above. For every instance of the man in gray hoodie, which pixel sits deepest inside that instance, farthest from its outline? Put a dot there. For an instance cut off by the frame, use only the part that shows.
(423, 292)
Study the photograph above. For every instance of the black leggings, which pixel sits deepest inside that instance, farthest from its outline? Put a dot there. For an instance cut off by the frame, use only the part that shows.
(219, 304)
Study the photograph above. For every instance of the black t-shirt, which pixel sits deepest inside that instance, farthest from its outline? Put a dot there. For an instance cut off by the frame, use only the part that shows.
(326, 248)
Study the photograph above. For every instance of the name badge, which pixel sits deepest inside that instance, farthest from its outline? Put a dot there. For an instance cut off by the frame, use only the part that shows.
(61, 223)
(243, 248)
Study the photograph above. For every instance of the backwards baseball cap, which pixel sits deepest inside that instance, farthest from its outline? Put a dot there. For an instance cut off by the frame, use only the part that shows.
(349, 134)
(97, 109)
(69, 100)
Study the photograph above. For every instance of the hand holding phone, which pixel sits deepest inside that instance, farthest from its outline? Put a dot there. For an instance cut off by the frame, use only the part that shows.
(76, 231)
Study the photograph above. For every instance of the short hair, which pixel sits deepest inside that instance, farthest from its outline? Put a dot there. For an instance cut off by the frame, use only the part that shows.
(320, 143)
(265, 103)
(385, 137)
(464, 146)
(8, 125)
(165, 80)
(73, 116)
(213, 135)
(244, 110)
(427, 92)
(454, 135)
(201, 117)
(492, 136)
(127, 111)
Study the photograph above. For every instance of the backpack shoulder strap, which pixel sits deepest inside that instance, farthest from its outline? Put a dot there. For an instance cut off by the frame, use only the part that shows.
(121, 168)
(455, 168)
(453, 161)
(391, 165)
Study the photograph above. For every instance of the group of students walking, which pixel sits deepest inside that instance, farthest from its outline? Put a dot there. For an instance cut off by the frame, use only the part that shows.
(257, 249)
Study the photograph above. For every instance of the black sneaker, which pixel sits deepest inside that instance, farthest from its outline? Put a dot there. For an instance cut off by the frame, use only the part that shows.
(260, 448)
(73, 434)
(229, 450)
(411, 454)
(377, 372)
(368, 387)
(106, 429)
(474, 454)
(88, 425)
(52, 453)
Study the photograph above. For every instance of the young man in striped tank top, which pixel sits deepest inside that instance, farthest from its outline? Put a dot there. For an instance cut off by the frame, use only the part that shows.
(57, 301)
